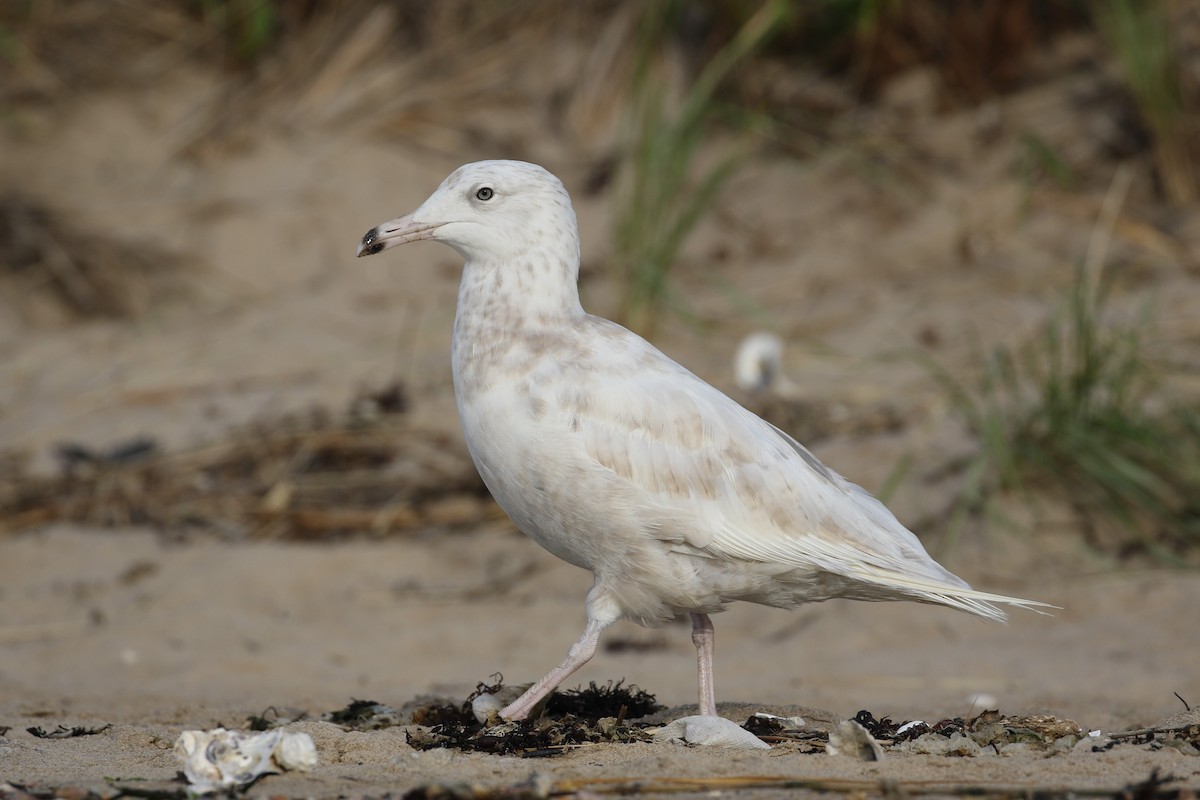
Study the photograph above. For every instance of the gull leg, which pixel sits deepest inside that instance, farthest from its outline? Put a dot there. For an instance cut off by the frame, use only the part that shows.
(577, 656)
(703, 637)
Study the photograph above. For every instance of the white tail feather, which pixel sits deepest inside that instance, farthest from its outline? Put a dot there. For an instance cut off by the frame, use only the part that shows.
(962, 598)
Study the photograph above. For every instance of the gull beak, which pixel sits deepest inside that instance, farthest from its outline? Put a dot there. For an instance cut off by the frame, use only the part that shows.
(393, 233)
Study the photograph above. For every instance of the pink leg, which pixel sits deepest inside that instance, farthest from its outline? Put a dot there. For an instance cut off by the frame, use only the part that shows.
(577, 656)
(703, 637)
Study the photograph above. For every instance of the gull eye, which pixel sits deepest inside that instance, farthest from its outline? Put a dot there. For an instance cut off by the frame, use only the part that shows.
(485, 194)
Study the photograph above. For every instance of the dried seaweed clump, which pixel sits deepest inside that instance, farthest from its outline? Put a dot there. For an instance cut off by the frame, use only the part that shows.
(610, 700)
(364, 715)
(965, 737)
(305, 476)
(575, 717)
(540, 738)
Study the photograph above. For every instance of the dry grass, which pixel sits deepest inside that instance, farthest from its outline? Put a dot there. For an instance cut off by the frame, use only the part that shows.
(424, 72)
(44, 253)
(58, 50)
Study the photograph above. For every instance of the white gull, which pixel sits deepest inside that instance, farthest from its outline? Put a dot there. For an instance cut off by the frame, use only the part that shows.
(620, 461)
(758, 366)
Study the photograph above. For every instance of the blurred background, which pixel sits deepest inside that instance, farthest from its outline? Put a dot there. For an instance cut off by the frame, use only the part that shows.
(970, 229)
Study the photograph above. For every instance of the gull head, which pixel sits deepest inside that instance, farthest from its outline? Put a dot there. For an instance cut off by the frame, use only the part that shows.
(487, 211)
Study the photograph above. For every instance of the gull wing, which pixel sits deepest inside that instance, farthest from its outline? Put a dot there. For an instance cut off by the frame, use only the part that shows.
(736, 487)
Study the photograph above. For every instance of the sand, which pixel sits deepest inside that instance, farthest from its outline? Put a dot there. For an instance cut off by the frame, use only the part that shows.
(120, 629)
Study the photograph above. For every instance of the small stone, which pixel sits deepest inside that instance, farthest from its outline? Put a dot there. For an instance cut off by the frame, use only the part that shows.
(990, 732)
(935, 744)
(73, 793)
(931, 744)
(1065, 744)
(1092, 744)
(962, 746)
(1183, 746)
(1017, 749)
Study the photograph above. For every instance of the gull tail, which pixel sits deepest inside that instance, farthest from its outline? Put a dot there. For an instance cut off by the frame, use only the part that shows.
(963, 597)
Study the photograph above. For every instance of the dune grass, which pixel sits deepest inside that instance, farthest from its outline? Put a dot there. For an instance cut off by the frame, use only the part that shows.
(1084, 411)
(1141, 35)
(666, 189)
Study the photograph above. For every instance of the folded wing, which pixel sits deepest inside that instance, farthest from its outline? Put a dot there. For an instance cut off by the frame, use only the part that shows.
(736, 487)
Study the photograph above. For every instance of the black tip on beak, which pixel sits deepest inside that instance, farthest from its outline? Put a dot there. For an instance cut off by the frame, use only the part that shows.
(369, 246)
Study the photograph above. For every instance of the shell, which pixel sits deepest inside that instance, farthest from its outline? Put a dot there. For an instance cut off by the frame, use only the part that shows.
(220, 759)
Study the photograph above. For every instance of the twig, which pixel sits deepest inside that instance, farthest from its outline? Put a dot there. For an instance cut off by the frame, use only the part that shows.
(1149, 731)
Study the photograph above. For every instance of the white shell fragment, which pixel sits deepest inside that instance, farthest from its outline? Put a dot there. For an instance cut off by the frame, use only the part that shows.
(296, 751)
(486, 706)
(789, 723)
(854, 741)
(220, 759)
(712, 731)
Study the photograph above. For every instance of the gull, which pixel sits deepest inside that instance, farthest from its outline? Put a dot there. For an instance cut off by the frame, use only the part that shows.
(769, 392)
(622, 462)
(758, 366)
